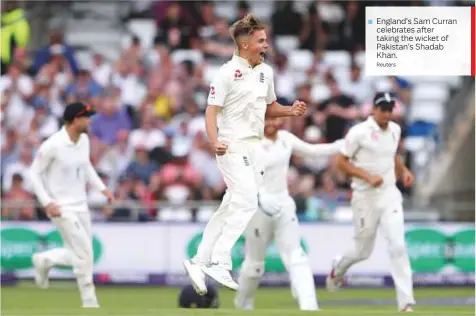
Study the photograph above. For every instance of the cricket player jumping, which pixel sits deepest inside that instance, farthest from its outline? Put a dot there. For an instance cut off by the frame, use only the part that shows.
(276, 219)
(59, 174)
(241, 94)
(370, 157)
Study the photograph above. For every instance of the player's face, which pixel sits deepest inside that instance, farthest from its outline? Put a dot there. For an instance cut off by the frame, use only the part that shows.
(257, 46)
(82, 124)
(382, 117)
(271, 126)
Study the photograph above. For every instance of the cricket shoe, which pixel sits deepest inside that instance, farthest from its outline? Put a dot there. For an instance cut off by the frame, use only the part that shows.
(197, 277)
(42, 267)
(333, 282)
(407, 308)
(220, 275)
(93, 303)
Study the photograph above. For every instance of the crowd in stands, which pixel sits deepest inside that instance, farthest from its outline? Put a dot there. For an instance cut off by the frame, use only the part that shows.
(148, 137)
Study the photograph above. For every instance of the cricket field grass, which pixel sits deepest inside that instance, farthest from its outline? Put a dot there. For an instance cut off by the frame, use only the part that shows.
(63, 299)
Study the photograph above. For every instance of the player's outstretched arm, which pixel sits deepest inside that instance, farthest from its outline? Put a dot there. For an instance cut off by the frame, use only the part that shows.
(41, 162)
(302, 148)
(277, 110)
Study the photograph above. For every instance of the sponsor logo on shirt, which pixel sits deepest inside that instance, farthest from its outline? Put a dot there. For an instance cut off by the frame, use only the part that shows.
(238, 75)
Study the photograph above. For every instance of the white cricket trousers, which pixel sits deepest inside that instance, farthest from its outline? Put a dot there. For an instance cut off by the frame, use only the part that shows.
(242, 169)
(77, 251)
(381, 208)
(283, 228)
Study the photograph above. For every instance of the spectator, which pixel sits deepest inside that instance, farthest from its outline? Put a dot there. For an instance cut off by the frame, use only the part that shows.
(126, 78)
(206, 27)
(10, 148)
(41, 124)
(18, 88)
(353, 28)
(284, 80)
(332, 16)
(311, 35)
(179, 179)
(179, 34)
(158, 55)
(147, 135)
(243, 8)
(21, 167)
(329, 193)
(357, 85)
(57, 76)
(141, 167)
(117, 157)
(17, 193)
(102, 71)
(15, 33)
(109, 120)
(219, 47)
(84, 89)
(56, 46)
(286, 20)
(339, 112)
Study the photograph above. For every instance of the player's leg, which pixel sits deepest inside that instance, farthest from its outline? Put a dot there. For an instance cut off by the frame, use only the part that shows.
(202, 258)
(366, 219)
(258, 235)
(296, 260)
(242, 189)
(86, 284)
(393, 229)
(45, 260)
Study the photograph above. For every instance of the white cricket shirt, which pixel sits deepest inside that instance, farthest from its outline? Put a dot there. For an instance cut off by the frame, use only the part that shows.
(373, 149)
(243, 93)
(61, 170)
(278, 154)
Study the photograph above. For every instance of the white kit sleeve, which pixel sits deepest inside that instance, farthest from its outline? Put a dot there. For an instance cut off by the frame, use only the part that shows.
(351, 142)
(40, 164)
(219, 89)
(271, 94)
(305, 149)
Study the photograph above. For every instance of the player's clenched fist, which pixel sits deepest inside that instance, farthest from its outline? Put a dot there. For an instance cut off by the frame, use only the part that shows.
(52, 210)
(298, 108)
(219, 148)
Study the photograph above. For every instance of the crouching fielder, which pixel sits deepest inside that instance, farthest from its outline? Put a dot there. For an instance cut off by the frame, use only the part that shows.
(369, 156)
(276, 219)
(59, 174)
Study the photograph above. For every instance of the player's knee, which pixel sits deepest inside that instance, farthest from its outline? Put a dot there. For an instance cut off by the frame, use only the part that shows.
(253, 269)
(365, 253)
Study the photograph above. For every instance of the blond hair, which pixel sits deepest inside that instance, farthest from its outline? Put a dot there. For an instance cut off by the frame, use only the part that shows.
(245, 26)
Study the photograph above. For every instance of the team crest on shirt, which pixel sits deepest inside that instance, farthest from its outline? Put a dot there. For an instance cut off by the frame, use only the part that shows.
(238, 75)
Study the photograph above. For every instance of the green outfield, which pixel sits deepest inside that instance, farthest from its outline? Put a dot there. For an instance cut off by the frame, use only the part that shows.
(62, 299)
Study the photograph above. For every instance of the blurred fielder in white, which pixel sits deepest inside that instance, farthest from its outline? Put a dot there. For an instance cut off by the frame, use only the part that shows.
(59, 174)
(241, 94)
(276, 219)
(370, 157)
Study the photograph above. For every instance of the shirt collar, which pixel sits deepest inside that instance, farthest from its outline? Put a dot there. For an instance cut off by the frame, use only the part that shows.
(241, 61)
(374, 126)
(65, 136)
